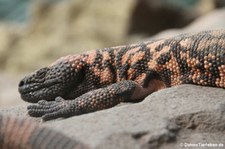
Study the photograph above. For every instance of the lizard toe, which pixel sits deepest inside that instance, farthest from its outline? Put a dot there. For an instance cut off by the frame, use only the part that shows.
(35, 112)
(51, 116)
(43, 102)
(59, 99)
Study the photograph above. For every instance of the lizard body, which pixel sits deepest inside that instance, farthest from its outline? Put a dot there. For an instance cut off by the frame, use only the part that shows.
(103, 78)
(23, 134)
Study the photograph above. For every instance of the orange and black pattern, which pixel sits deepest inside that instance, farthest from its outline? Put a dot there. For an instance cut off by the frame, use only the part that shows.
(24, 134)
(102, 78)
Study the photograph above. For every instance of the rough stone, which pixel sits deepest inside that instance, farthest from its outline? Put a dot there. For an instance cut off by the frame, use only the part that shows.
(68, 27)
(168, 118)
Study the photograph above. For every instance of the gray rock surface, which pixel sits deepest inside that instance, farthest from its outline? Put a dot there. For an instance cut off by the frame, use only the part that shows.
(169, 118)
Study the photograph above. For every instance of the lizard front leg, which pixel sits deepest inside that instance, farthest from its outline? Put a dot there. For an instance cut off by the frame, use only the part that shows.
(89, 102)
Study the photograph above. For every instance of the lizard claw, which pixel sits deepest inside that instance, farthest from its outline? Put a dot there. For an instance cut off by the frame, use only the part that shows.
(59, 99)
(51, 116)
(42, 102)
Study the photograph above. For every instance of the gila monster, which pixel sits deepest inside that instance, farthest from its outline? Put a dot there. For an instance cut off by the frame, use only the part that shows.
(23, 134)
(102, 78)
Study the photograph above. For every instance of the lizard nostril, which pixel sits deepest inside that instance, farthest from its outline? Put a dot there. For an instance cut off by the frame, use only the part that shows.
(21, 83)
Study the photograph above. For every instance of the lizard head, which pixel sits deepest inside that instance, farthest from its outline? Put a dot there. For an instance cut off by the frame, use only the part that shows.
(58, 79)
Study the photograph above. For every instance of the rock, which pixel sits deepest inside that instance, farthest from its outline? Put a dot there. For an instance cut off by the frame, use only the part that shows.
(211, 21)
(17, 111)
(9, 37)
(167, 119)
(150, 17)
(68, 27)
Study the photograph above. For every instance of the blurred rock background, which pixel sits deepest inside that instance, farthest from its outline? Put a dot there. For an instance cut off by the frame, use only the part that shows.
(34, 33)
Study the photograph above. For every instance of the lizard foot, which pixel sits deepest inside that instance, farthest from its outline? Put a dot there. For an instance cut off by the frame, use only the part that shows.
(50, 109)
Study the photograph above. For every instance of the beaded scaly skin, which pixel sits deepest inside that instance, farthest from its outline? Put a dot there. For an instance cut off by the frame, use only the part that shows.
(23, 134)
(103, 78)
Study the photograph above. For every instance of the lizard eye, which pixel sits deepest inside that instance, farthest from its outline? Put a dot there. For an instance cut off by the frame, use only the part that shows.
(41, 73)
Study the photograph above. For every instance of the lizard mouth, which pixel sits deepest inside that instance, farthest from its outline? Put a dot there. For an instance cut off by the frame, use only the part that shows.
(27, 88)
(32, 92)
